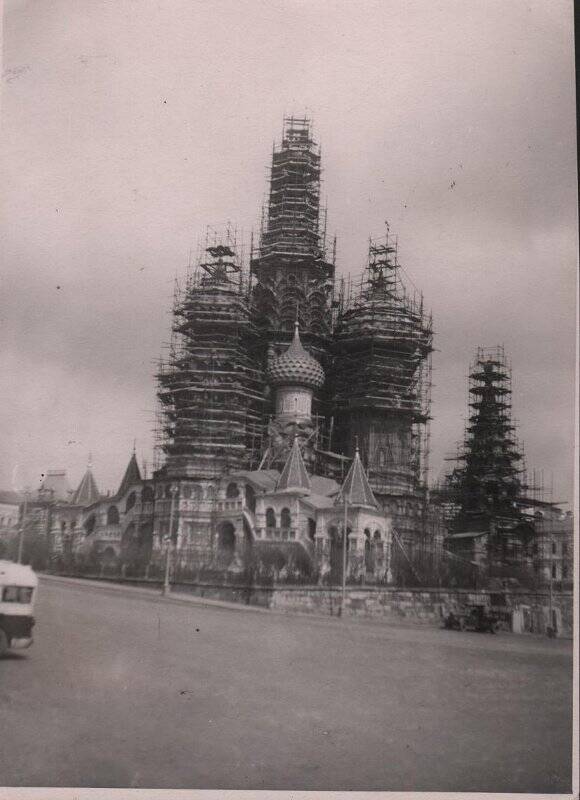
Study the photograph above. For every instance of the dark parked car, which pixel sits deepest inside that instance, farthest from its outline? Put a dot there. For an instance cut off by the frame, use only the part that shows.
(472, 618)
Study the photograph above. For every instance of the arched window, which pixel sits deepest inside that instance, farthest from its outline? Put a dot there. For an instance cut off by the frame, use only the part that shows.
(368, 552)
(89, 525)
(196, 493)
(311, 529)
(186, 491)
(131, 500)
(226, 541)
(232, 491)
(377, 535)
(285, 518)
(250, 497)
(113, 515)
(210, 492)
(270, 518)
(147, 494)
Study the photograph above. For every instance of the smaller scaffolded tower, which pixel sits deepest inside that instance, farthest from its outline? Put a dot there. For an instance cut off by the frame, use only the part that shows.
(210, 390)
(381, 380)
(488, 486)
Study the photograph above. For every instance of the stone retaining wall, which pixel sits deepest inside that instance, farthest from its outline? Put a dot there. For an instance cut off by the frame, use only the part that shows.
(520, 611)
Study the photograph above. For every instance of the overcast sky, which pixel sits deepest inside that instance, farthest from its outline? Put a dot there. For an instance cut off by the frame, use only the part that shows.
(130, 126)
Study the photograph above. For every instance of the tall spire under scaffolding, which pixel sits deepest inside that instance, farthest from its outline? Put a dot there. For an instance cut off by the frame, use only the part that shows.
(290, 265)
(210, 390)
(381, 374)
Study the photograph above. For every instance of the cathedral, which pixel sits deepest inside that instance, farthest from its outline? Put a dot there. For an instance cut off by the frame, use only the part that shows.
(293, 408)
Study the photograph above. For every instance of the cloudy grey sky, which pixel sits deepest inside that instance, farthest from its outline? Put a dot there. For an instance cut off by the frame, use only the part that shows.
(129, 125)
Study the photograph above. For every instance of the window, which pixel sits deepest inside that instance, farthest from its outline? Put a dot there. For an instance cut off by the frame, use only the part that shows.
(113, 515)
(285, 518)
(250, 498)
(232, 491)
(564, 549)
(553, 570)
(186, 491)
(17, 594)
(131, 500)
(553, 548)
(270, 518)
(564, 572)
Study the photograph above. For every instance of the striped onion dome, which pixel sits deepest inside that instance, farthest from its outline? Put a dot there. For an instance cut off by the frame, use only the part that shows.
(295, 367)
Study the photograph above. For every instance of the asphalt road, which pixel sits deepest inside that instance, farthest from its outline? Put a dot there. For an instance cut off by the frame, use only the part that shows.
(121, 689)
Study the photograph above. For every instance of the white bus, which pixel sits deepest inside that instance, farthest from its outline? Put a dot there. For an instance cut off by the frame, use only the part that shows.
(18, 586)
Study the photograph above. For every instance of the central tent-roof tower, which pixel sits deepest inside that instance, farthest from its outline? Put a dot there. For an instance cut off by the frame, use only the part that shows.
(290, 267)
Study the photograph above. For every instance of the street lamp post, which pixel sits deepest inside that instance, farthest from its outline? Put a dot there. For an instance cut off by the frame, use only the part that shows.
(166, 584)
(344, 541)
(551, 613)
(21, 532)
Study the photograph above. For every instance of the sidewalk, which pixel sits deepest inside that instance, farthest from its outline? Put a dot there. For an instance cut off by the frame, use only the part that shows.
(154, 594)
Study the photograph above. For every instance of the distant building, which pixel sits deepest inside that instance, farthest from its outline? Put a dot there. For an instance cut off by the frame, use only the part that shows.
(9, 518)
(554, 547)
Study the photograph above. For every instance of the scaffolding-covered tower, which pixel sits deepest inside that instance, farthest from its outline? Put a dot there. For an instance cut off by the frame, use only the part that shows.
(488, 487)
(210, 390)
(290, 267)
(490, 479)
(382, 375)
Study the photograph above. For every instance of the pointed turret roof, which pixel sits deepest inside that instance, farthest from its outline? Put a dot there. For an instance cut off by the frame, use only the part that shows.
(294, 475)
(132, 475)
(87, 492)
(356, 486)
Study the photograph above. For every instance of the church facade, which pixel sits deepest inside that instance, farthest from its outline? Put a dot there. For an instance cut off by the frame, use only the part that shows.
(293, 409)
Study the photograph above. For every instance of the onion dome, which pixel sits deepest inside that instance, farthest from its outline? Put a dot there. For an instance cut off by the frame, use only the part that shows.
(295, 367)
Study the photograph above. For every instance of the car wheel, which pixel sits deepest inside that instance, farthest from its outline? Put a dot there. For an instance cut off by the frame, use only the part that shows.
(4, 643)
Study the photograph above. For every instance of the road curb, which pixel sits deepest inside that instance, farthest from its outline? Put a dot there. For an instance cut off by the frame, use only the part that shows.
(154, 594)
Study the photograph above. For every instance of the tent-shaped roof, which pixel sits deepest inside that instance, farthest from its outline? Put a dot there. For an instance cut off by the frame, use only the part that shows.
(132, 475)
(265, 479)
(356, 487)
(294, 475)
(86, 493)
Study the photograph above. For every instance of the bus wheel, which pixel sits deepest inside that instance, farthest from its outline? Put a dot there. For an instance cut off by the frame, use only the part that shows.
(4, 644)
